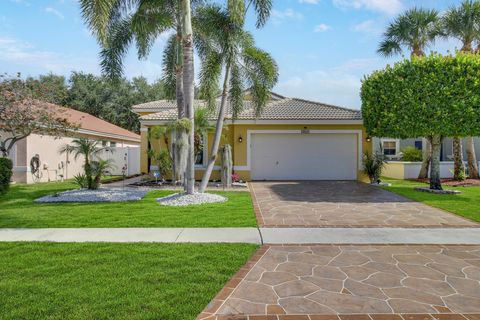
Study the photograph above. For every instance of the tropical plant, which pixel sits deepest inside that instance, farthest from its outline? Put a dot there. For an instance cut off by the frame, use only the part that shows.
(100, 168)
(90, 150)
(416, 30)
(5, 174)
(81, 180)
(404, 101)
(410, 153)
(463, 23)
(373, 165)
(223, 45)
(162, 160)
(119, 23)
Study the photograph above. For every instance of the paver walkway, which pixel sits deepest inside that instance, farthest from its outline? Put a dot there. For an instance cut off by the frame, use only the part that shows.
(305, 282)
(343, 204)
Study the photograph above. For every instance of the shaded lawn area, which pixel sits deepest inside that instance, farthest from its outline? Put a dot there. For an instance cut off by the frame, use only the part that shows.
(114, 281)
(466, 204)
(17, 209)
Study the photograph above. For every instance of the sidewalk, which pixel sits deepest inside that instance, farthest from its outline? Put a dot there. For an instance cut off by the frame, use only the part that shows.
(250, 235)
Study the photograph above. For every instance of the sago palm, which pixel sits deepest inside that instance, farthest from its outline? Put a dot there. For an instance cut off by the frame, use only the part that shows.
(414, 30)
(463, 23)
(225, 48)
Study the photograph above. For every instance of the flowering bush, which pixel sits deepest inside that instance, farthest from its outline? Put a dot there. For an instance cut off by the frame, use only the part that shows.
(235, 177)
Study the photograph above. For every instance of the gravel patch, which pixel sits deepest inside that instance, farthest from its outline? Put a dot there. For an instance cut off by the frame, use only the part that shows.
(183, 199)
(100, 195)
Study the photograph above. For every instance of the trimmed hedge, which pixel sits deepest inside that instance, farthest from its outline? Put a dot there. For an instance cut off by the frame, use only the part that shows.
(6, 167)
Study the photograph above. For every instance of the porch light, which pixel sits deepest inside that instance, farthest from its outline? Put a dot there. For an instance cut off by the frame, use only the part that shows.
(240, 139)
(369, 139)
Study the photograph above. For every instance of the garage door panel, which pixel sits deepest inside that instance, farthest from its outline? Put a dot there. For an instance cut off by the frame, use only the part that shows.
(287, 156)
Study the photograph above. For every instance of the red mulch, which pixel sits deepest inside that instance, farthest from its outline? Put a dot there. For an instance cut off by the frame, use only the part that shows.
(454, 183)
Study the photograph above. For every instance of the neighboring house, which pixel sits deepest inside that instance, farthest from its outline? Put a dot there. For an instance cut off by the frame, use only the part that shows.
(293, 139)
(396, 168)
(53, 166)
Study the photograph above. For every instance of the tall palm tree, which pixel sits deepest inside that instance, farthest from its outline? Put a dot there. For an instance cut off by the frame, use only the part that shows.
(463, 23)
(90, 151)
(119, 23)
(416, 30)
(225, 47)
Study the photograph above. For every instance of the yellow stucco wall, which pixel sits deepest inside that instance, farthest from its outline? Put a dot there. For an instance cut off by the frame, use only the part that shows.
(233, 132)
(394, 170)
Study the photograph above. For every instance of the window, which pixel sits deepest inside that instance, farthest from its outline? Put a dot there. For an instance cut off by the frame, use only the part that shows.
(113, 144)
(419, 144)
(199, 150)
(389, 148)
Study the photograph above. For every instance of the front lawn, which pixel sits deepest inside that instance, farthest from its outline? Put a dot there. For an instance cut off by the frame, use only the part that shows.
(114, 281)
(466, 204)
(17, 210)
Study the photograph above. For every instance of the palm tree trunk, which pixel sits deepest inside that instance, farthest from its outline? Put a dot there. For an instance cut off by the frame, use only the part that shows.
(188, 91)
(426, 157)
(218, 132)
(472, 159)
(181, 142)
(458, 165)
(435, 183)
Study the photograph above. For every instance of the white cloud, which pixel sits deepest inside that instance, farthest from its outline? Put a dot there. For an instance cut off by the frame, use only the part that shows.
(309, 1)
(339, 85)
(369, 27)
(390, 7)
(20, 55)
(55, 12)
(321, 28)
(278, 16)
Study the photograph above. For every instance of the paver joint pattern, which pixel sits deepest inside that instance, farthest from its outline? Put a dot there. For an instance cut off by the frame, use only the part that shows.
(378, 282)
(343, 204)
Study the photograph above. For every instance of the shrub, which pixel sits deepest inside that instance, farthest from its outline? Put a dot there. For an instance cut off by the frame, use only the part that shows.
(373, 165)
(81, 180)
(6, 167)
(411, 154)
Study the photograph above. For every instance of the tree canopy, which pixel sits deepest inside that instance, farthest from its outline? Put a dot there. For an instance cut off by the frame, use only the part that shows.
(424, 97)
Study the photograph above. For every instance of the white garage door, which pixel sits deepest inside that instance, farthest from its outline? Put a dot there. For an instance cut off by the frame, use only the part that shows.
(313, 156)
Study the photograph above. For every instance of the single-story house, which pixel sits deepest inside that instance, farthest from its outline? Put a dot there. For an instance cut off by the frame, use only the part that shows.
(52, 166)
(397, 168)
(293, 139)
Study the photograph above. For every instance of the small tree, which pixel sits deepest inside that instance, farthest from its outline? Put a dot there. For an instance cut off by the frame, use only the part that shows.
(93, 166)
(373, 165)
(21, 114)
(432, 97)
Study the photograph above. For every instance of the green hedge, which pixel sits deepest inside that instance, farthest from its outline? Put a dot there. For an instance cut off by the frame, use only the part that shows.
(5, 174)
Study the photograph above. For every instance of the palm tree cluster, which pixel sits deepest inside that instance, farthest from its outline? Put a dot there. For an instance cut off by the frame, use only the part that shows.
(217, 34)
(416, 30)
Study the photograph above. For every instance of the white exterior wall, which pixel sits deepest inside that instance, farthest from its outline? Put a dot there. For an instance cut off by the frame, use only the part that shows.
(126, 157)
(412, 169)
(55, 167)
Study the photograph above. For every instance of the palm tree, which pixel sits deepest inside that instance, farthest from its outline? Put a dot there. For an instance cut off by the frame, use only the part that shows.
(119, 23)
(463, 23)
(415, 30)
(90, 151)
(223, 45)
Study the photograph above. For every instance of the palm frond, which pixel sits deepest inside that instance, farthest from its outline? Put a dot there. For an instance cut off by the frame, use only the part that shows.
(115, 48)
(262, 75)
(169, 66)
(209, 78)
(236, 92)
(97, 15)
(262, 9)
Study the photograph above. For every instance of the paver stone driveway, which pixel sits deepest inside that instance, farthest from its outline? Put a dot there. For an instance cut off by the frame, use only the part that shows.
(343, 204)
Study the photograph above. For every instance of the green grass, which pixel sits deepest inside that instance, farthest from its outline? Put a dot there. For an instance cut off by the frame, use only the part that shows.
(17, 209)
(114, 281)
(466, 204)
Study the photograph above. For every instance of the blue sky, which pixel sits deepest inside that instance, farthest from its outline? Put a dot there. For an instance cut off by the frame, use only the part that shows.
(323, 47)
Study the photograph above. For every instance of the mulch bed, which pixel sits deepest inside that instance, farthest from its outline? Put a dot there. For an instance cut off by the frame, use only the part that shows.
(454, 183)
